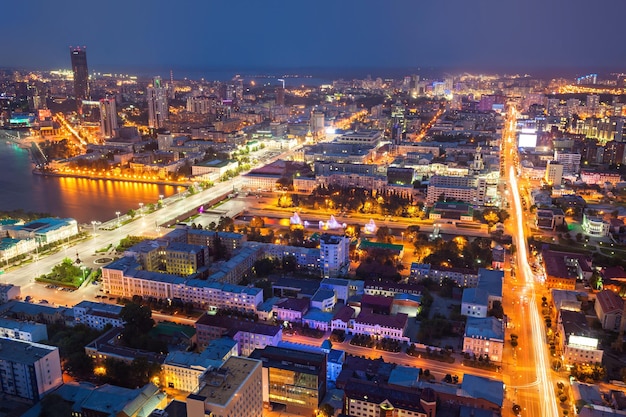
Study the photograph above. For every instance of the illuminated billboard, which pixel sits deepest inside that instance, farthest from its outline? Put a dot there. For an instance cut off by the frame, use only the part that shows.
(583, 342)
(527, 138)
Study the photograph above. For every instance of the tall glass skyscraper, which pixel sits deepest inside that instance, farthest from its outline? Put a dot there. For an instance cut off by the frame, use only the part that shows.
(81, 74)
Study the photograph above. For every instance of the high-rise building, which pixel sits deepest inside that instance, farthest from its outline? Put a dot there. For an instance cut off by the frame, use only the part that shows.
(29, 370)
(317, 124)
(81, 73)
(280, 96)
(108, 118)
(158, 110)
(334, 255)
(554, 173)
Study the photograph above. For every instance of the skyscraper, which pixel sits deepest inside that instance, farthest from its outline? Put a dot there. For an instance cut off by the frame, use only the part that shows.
(158, 110)
(81, 73)
(108, 117)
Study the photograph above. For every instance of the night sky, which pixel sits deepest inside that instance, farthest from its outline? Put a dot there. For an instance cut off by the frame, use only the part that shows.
(201, 34)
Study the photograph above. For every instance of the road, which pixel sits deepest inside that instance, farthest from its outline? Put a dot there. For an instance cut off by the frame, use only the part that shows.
(24, 275)
(437, 368)
(531, 376)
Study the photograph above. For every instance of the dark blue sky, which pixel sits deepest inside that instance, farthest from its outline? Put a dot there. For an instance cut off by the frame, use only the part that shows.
(199, 34)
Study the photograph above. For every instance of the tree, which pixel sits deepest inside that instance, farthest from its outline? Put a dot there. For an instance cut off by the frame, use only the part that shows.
(496, 311)
(131, 213)
(383, 233)
(257, 222)
(138, 317)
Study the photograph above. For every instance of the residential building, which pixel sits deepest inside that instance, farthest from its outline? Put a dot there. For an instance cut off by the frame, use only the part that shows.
(232, 390)
(609, 307)
(108, 118)
(484, 336)
(468, 189)
(98, 315)
(554, 173)
(158, 109)
(29, 370)
(184, 259)
(294, 378)
(20, 330)
(334, 255)
(9, 292)
(248, 334)
(342, 320)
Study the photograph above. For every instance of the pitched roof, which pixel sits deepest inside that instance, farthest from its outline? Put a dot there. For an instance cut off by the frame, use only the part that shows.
(609, 301)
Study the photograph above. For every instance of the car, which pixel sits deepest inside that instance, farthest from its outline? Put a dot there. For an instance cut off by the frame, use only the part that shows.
(43, 302)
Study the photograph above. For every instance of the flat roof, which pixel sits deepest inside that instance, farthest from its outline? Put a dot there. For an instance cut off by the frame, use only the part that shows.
(222, 384)
(235, 324)
(19, 351)
(480, 387)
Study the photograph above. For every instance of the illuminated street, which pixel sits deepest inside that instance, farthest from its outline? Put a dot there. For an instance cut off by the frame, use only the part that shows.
(536, 396)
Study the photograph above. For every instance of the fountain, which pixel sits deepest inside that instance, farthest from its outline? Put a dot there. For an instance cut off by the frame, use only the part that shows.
(295, 219)
(370, 227)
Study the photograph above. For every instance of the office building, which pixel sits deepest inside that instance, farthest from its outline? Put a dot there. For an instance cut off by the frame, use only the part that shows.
(81, 73)
(232, 390)
(293, 378)
(317, 124)
(334, 255)
(108, 118)
(158, 110)
(29, 370)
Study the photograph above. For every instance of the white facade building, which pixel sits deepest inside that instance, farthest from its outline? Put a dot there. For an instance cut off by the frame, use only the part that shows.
(29, 370)
(98, 315)
(334, 255)
(484, 336)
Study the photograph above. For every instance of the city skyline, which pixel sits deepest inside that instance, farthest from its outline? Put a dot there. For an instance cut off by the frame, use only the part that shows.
(455, 35)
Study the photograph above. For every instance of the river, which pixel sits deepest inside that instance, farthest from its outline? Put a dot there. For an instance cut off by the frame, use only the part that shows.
(79, 198)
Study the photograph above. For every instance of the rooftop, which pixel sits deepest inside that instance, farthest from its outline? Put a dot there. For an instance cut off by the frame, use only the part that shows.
(484, 328)
(397, 321)
(221, 385)
(475, 296)
(23, 352)
(485, 388)
(609, 301)
(366, 244)
(235, 324)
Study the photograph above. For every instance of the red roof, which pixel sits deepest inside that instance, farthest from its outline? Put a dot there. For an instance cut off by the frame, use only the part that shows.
(397, 321)
(614, 272)
(344, 314)
(609, 301)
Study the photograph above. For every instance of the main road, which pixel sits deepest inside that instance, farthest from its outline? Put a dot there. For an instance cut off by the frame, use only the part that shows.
(537, 396)
(24, 275)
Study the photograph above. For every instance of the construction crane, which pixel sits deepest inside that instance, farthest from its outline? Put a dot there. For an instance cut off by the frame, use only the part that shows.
(283, 81)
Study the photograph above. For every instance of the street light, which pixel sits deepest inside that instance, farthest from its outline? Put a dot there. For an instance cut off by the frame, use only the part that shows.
(141, 209)
(118, 218)
(95, 223)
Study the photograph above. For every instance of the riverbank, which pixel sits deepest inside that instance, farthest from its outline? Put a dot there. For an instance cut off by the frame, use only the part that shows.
(100, 177)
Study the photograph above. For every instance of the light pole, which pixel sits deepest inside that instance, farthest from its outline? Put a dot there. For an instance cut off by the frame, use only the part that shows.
(95, 223)
(118, 218)
(160, 200)
(141, 209)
